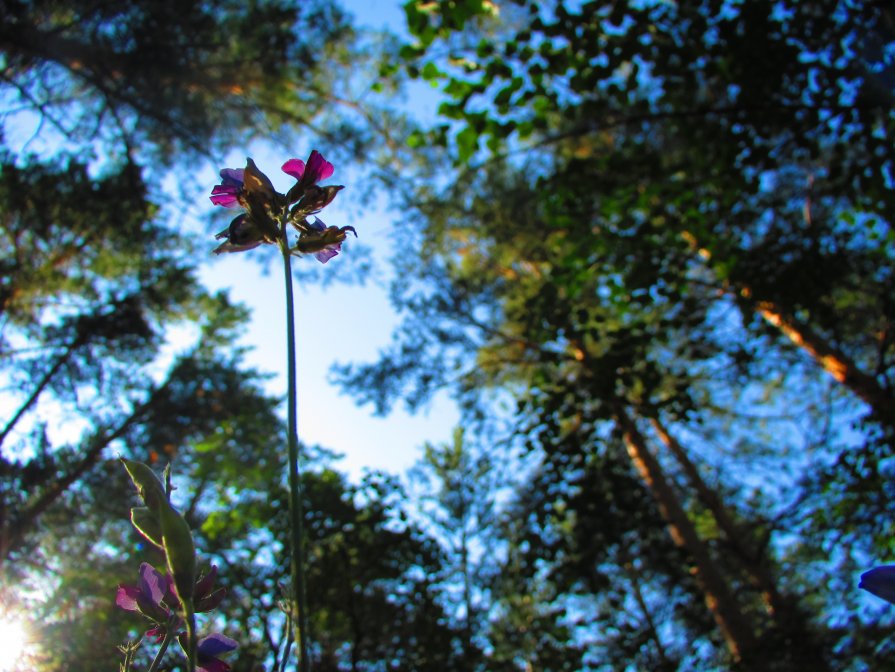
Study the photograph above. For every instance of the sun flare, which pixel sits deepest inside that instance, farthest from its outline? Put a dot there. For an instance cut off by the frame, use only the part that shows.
(12, 644)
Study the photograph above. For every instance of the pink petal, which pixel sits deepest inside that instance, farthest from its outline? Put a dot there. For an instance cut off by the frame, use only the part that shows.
(227, 200)
(320, 167)
(213, 665)
(295, 168)
(126, 598)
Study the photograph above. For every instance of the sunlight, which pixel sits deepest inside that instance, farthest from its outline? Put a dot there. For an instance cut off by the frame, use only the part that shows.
(12, 644)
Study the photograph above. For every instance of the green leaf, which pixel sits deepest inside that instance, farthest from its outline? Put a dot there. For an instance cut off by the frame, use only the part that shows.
(467, 144)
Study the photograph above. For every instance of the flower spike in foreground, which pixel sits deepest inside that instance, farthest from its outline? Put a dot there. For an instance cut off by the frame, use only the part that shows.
(267, 211)
(154, 597)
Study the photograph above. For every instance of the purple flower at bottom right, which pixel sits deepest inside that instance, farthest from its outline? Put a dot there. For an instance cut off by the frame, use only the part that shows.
(880, 581)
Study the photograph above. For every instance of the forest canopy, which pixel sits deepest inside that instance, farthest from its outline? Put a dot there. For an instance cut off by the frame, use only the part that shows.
(646, 247)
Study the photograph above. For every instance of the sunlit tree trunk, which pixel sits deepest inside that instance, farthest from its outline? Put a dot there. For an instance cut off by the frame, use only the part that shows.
(734, 626)
(791, 624)
(832, 360)
(736, 536)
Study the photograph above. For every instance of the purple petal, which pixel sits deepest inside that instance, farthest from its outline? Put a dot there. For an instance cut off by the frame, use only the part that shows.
(212, 665)
(214, 645)
(210, 602)
(233, 176)
(152, 584)
(880, 581)
(295, 168)
(205, 585)
(328, 252)
(126, 598)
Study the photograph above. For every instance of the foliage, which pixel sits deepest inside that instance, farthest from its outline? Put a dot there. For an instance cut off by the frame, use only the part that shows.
(654, 204)
(172, 79)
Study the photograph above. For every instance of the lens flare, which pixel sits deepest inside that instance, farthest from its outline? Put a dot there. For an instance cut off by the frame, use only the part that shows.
(12, 644)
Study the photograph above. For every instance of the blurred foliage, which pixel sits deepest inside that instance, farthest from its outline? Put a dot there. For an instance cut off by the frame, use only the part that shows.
(629, 218)
(680, 211)
(169, 79)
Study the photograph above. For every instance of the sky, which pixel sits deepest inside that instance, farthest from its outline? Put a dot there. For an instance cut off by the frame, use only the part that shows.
(339, 323)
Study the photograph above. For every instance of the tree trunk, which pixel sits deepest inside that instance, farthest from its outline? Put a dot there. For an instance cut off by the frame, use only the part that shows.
(792, 628)
(736, 629)
(736, 536)
(831, 359)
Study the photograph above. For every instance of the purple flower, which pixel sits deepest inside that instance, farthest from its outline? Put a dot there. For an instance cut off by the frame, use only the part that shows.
(323, 241)
(316, 169)
(227, 193)
(147, 596)
(207, 651)
(154, 598)
(308, 175)
(880, 581)
(266, 211)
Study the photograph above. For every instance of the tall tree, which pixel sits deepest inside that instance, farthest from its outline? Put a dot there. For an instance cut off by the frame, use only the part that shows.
(171, 79)
(594, 278)
(457, 485)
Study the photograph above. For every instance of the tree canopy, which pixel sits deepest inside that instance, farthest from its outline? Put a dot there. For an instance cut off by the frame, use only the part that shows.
(647, 246)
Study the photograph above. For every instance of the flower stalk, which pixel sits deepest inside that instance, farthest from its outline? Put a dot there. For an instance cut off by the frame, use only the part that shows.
(266, 218)
(296, 508)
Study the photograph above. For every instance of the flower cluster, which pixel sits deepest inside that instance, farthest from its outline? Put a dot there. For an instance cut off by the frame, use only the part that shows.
(155, 598)
(266, 211)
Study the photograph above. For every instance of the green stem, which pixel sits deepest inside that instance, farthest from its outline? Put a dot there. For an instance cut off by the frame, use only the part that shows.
(169, 635)
(299, 600)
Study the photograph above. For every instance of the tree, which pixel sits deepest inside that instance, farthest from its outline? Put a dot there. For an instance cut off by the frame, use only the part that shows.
(457, 486)
(173, 79)
(587, 263)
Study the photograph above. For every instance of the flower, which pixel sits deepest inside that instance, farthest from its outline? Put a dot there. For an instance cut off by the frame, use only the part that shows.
(147, 597)
(314, 200)
(323, 241)
(205, 598)
(253, 190)
(267, 211)
(315, 170)
(880, 581)
(240, 236)
(227, 193)
(155, 598)
(308, 174)
(207, 651)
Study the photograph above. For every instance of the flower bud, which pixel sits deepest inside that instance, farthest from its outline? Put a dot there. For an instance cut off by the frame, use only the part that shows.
(148, 484)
